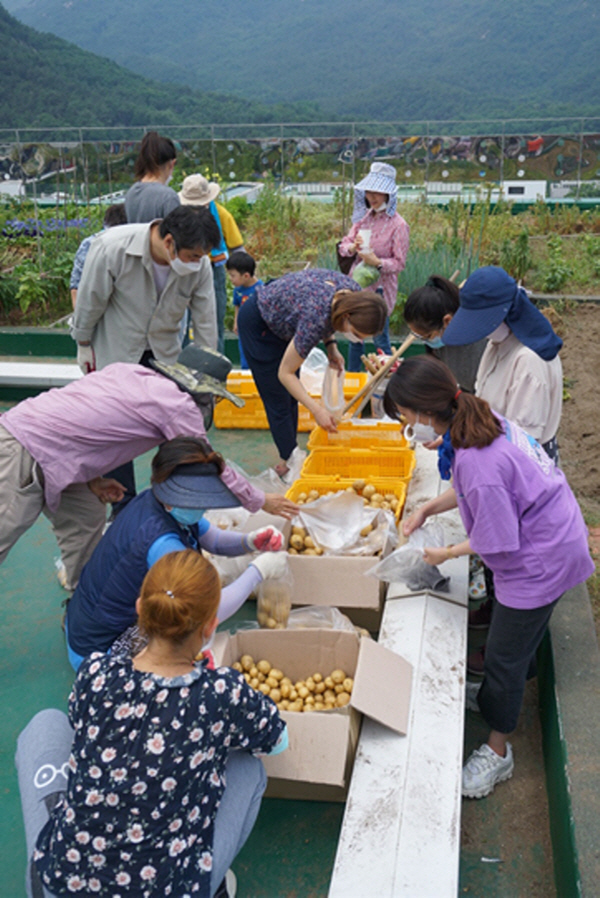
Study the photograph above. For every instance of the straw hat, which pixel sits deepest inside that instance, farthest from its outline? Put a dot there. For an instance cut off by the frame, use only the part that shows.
(197, 191)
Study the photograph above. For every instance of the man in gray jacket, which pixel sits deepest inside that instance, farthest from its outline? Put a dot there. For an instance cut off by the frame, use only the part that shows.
(137, 283)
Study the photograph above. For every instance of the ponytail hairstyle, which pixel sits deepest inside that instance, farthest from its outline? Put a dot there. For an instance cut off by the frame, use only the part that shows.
(179, 595)
(425, 385)
(427, 306)
(364, 309)
(155, 151)
(183, 451)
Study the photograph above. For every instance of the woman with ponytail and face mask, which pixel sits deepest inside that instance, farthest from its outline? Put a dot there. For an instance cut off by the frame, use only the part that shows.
(152, 785)
(168, 517)
(520, 517)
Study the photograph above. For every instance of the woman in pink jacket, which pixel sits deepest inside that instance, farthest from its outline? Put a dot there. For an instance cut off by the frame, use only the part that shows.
(379, 237)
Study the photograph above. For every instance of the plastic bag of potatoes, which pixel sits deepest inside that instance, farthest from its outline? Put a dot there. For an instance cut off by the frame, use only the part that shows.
(274, 602)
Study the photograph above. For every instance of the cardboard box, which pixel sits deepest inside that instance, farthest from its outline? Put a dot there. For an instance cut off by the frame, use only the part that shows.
(322, 744)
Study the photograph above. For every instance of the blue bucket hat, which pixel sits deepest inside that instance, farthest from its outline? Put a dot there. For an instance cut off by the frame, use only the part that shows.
(197, 485)
(491, 296)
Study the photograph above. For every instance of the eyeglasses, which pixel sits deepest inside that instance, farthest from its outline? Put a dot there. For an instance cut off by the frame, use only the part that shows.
(424, 337)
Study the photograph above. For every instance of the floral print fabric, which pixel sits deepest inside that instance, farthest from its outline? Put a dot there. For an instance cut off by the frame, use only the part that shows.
(146, 778)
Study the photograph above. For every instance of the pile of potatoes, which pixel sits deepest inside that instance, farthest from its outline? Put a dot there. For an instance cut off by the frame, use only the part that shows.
(274, 603)
(302, 544)
(315, 693)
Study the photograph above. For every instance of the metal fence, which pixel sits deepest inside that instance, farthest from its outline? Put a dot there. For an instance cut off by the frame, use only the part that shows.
(88, 164)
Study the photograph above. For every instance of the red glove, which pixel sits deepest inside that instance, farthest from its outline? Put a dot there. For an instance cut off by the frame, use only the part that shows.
(268, 539)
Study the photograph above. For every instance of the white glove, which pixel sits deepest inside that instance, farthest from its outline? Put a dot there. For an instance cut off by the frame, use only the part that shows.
(271, 565)
(267, 539)
(86, 358)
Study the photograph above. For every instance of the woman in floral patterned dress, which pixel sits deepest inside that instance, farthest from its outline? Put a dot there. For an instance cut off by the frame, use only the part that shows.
(151, 787)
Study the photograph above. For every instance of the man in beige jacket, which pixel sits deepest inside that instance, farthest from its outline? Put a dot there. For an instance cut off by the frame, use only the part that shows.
(137, 283)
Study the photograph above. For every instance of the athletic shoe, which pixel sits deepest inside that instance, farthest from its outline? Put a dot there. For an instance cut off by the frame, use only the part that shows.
(477, 587)
(471, 693)
(480, 618)
(228, 887)
(475, 662)
(484, 770)
(61, 573)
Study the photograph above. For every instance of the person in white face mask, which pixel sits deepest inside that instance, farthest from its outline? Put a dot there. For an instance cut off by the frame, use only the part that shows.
(280, 325)
(379, 237)
(151, 197)
(138, 282)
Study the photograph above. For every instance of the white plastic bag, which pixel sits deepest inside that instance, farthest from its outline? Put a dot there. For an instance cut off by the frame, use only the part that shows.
(320, 617)
(333, 391)
(337, 524)
(313, 370)
(406, 563)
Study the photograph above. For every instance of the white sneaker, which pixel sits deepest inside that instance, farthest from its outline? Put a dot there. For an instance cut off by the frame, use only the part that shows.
(471, 693)
(231, 883)
(484, 770)
(61, 573)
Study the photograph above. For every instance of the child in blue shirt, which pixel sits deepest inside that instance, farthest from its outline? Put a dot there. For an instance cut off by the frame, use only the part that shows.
(240, 268)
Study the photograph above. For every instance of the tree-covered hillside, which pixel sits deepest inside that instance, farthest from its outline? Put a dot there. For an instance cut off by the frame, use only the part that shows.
(47, 82)
(413, 59)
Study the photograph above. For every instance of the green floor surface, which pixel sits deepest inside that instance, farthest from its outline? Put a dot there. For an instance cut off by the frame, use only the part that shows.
(291, 850)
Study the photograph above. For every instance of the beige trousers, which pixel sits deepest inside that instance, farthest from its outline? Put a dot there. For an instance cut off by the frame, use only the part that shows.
(77, 523)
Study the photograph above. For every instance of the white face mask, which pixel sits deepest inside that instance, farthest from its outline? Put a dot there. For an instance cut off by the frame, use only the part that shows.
(183, 268)
(352, 336)
(500, 334)
(419, 432)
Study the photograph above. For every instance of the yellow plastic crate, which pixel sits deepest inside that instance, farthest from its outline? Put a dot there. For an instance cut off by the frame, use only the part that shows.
(335, 484)
(360, 433)
(333, 461)
(253, 416)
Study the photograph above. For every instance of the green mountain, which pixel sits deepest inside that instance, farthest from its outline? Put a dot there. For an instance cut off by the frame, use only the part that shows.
(47, 82)
(415, 59)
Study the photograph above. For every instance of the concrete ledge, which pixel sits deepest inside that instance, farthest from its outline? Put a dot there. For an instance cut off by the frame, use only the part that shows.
(569, 681)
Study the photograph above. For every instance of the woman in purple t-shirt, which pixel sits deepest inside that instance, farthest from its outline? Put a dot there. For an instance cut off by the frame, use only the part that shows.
(521, 518)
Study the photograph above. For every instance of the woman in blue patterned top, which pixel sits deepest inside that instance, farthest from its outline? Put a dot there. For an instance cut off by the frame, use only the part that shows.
(281, 324)
(151, 787)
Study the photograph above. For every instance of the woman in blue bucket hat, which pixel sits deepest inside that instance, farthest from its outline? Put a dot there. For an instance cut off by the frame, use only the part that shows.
(379, 237)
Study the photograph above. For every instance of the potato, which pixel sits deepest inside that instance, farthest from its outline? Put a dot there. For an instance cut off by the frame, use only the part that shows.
(338, 676)
(247, 661)
(366, 530)
(308, 708)
(329, 696)
(264, 688)
(260, 677)
(303, 692)
(309, 700)
(272, 682)
(348, 684)
(285, 690)
(329, 683)
(318, 706)
(237, 666)
(368, 491)
(376, 499)
(310, 684)
(255, 682)
(319, 688)
(276, 674)
(275, 694)
(271, 623)
(296, 706)
(317, 677)
(310, 552)
(292, 551)
(298, 531)
(296, 541)
(283, 704)
(302, 497)
(309, 543)
(262, 617)
(293, 694)
(359, 485)
(253, 671)
(342, 699)
(312, 495)
(264, 666)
